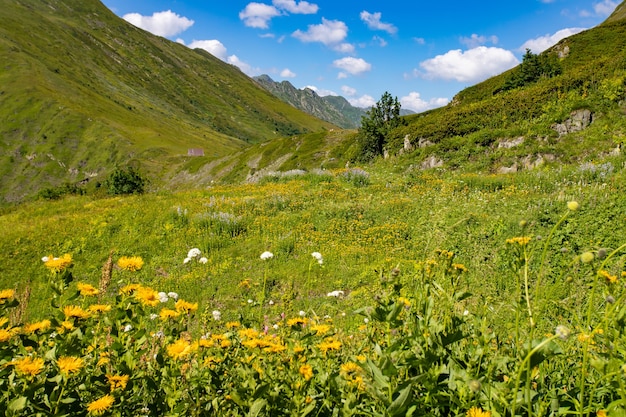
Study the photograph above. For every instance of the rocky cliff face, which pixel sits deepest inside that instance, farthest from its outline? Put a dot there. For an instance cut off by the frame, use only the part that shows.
(333, 109)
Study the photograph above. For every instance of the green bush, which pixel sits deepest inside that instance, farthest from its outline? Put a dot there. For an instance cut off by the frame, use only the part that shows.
(128, 181)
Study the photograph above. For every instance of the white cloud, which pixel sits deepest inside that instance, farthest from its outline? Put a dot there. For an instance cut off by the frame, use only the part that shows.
(329, 32)
(213, 46)
(164, 24)
(287, 73)
(476, 40)
(258, 15)
(348, 91)
(542, 43)
(420, 41)
(342, 75)
(372, 20)
(244, 66)
(380, 41)
(605, 7)
(352, 65)
(303, 7)
(363, 102)
(473, 65)
(414, 102)
(344, 48)
(321, 93)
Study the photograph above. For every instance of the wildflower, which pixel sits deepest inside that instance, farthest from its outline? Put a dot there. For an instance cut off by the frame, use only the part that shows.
(87, 290)
(57, 265)
(320, 329)
(586, 257)
(329, 344)
(306, 371)
(562, 332)
(7, 334)
(267, 255)
(99, 308)
(75, 311)
(610, 279)
(203, 260)
(601, 413)
(186, 260)
(179, 349)
(248, 333)
(271, 302)
(474, 385)
(185, 307)
(163, 297)
(129, 289)
(128, 328)
(522, 240)
(477, 412)
(5, 295)
(232, 324)
(459, 267)
(602, 252)
(29, 366)
(195, 252)
(244, 284)
(336, 293)
(173, 295)
(69, 364)
(66, 325)
(217, 316)
(130, 263)
(302, 313)
(166, 314)
(318, 256)
(572, 205)
(147, 296)
(349, 368)
(99, 406)
(117, 381)
(296, 322)
(39, 326)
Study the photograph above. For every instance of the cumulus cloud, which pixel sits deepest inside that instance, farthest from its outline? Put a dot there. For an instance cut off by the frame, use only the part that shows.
(258, 15)
(605, 7)
(363, 102)
(380, 41)
(348, 91)
(213, 46)
(244, 66)
(542, 43)
(344, 48)
(164, 24)
(321, 92)
(473, 65)
(303, 7)
(329, 32)
(287, 73)
(420, 41)
(352, 65)
(415, 102)
(476, 40)
(372, 20)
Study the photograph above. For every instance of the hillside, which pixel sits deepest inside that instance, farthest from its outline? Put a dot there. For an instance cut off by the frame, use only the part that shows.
(83, 90)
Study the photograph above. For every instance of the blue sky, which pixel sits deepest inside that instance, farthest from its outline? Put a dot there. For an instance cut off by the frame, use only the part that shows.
(422, 52)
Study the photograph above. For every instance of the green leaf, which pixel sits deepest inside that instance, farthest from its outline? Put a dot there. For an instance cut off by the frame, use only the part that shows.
(18, 404)
(257, 407)
(381, 381)
(401, 403)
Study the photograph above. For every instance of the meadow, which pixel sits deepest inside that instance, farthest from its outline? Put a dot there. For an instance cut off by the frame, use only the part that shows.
(361, 291)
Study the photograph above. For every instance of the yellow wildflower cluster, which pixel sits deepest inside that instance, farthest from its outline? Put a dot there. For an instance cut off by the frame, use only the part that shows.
(180, 349)
(610, 279)
(5, 295)
(87, 290)
(477, 412)
(185, 306)
(147, 296)
(99, 406)
(130, 263)
(69, 364)
(306, 371)
(39, 326)
(29, 366)
(117, 381)
(521, 240)
(329, 344)
(58, 265)
(71, 311)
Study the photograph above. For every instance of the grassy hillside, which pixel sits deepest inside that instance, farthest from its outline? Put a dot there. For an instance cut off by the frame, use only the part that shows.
(83, 90)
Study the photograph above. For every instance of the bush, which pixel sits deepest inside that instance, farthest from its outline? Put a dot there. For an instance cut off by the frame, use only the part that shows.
(128, 181)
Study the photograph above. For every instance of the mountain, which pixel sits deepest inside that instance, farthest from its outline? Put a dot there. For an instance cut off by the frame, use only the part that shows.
(82, 90)
(333, 109)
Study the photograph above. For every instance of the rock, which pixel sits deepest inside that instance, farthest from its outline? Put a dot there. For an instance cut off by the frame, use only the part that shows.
(431, 162)
(578, 121)
(511, 143)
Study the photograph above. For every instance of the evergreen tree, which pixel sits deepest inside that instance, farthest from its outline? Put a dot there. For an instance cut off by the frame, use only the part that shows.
(376, 125)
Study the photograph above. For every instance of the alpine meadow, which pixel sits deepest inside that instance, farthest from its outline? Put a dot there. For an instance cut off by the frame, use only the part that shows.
(177, 241)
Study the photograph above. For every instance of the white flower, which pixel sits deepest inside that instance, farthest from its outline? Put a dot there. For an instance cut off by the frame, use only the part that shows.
(186, 260)
(271, 302)
(562, 332)
(153, 316)
(217, 316)
(336, 293)
(275, 327)
(45, 259)
(366, 320)
(267, 255)
(128, 328)
(163, 297)
(203, 260)
(193, 253)
(302, 313)
(318, 256)
(173, 295)
(466, 313)
(250, 301)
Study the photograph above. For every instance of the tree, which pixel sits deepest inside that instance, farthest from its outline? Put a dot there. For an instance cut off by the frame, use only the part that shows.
(127, 181)
(376, 126)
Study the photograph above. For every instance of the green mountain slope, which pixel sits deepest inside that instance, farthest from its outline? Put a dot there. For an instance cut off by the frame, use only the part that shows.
(81, 90)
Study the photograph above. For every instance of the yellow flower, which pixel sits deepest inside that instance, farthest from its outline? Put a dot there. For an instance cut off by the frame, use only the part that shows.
(7, 334)
(69, 364)
(349, 368)
(147, 296)
(329, 344)
(522, 241)
(29, 366)
(65, 325)
(232, 324)
(179, 349)
(58, 264)
(37, 327)
(244, 284)
(306, 371)
(87, 290)
(117, 381)
(166, 314)
(99, 406)
(320, 329)
(297, 321)
(275, 348)
(248, 333)
(221, 339)
(460, 267)
(130, 263)
(572, 205)
(601, 413)
(99, 308)
(610, 279)
(477, 412)
(75, 311)
(3, 321)
(5, 295)
(129, 289)
(185, 307)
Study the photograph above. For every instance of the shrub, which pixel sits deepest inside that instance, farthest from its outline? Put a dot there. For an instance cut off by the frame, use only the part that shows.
(128, 181)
